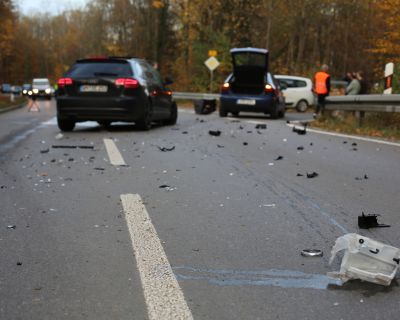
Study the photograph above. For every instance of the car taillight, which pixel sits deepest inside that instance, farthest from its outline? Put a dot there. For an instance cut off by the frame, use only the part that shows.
(268, 88)
(128, 83)
(64, 82)
(225, 87)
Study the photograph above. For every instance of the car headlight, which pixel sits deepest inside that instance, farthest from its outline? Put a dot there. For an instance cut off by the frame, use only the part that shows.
(47, 90)
(24, 91)
(30, 92)
(35, 91)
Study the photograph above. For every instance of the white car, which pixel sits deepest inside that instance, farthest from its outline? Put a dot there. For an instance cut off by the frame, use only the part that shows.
(297, 91)
(41, 88)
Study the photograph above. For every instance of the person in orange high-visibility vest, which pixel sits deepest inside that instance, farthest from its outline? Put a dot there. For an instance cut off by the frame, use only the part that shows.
(322, 87)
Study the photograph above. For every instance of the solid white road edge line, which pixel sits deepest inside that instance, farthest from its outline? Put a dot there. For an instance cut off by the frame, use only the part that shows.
(164, 298)
(350, 136)
(113, 153)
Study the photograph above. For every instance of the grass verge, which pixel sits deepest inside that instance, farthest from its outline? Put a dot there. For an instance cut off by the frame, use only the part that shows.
(6, 103)
(378, 125)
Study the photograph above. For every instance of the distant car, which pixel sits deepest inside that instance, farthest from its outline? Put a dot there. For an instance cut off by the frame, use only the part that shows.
(251, 87)
(297, 90)
(41, 88)
(114, 89)
(17, 90)
(5, 88)
(26, 88)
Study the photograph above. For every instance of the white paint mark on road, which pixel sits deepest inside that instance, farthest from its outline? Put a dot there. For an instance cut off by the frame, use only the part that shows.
(164, 297)
(113, 153)
(350, 136)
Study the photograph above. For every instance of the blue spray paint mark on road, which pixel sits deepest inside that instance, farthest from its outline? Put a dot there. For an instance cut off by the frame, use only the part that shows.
(326, 215)
(275, 278)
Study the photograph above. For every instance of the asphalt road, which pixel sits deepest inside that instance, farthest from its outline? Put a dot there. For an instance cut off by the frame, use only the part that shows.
(229, 221)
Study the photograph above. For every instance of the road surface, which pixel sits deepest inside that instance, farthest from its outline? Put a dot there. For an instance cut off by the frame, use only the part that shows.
(100, 223)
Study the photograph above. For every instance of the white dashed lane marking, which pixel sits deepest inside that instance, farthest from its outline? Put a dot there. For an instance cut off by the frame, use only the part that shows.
(113, 153)
(164, 298)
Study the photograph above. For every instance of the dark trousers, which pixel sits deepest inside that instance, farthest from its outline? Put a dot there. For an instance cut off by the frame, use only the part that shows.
(321, 103)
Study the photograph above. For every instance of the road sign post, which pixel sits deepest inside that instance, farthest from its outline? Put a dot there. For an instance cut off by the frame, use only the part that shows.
(211, 63)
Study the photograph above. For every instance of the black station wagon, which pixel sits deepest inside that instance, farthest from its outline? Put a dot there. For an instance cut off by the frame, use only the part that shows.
(114, 89)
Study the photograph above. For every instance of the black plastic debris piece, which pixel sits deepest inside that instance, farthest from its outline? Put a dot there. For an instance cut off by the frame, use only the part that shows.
(354, 144)
(164, 149)
(220, 146)
(261, 126)
(311, 144)
(184, 132)
(300, 175)
(245, 143)
(249, 131)
(45, 150)
(53, 160)
(279, 158)
(344, 142)
(3, 187)
(300, 148)
(215, 133)
(312, 175)
(241, 127)
(71, 159)
(58, 146)
(99, 169)
(370, 221)
(366, 177)
(300, 131)
(354, 149)
(12, 226)
(167, 187)
(361, 178)
(19, 263)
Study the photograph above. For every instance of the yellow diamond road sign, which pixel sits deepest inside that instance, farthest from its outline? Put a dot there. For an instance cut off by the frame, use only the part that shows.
(212, 63)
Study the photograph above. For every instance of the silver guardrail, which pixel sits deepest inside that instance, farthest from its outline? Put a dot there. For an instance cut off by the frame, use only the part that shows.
(195, 96)
(366, 103)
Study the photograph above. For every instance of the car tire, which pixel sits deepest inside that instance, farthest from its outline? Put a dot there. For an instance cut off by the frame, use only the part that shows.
(65, 124)
(144, 123)
(222, 111)
(173, 115)
(302, 106)
(275, 113)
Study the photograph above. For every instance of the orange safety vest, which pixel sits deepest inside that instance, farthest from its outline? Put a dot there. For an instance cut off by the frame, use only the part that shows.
(320, 82)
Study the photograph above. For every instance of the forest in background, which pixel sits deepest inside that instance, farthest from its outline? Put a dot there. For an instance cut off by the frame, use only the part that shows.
(349, 35)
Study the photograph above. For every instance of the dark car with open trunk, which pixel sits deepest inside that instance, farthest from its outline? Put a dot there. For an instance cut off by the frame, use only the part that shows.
(114, 89)
(251, 87)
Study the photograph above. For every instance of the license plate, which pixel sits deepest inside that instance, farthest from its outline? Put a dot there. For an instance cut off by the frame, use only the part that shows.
(248, 102)
(89, 88)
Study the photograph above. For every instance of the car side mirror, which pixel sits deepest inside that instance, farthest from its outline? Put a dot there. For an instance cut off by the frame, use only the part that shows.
(168, 81)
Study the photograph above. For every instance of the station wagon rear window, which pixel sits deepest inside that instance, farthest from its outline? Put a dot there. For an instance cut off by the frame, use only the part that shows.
(100, 69)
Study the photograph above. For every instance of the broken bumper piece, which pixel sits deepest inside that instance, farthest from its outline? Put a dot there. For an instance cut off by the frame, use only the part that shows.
(365, 259)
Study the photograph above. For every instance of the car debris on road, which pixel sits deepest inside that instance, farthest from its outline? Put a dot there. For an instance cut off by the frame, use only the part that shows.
(215, 133)
(311, 253)
(312, 175)
(365, 259)
(370, 221)
(165, 149)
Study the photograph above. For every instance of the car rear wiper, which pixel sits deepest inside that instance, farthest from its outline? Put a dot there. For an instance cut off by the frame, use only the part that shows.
(105, 74)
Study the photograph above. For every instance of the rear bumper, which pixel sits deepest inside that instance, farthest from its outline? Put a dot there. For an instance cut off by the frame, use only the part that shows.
(234, 103)
(97, 109)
